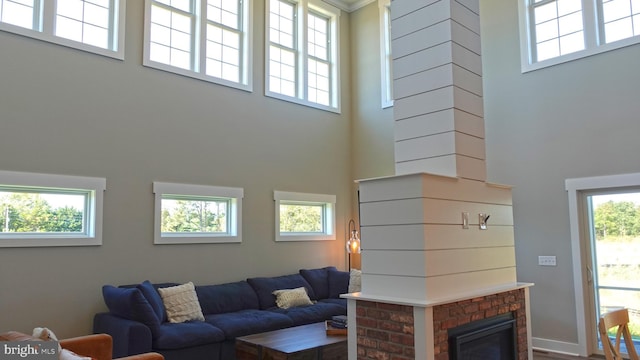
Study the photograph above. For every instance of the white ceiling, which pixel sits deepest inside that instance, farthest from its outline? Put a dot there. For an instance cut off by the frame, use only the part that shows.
(349, 5)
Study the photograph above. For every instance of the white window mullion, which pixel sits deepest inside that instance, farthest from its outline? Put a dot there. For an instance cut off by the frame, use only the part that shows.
(303, 52)
(201, 34)
(593, 29)
(44, 16)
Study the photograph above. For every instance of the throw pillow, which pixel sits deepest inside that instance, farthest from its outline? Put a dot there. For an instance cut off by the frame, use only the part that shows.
(355, 280)
(292, 297)
(181, 303)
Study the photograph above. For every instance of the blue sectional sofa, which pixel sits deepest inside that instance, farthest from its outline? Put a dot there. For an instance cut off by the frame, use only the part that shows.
(138, 323)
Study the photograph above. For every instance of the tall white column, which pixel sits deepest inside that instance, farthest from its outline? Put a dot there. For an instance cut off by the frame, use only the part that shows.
(438, 110)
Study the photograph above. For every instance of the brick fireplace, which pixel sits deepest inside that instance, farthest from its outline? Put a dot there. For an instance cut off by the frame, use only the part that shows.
(437, 239)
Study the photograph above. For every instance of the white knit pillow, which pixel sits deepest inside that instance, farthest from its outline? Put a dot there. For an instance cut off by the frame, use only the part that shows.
(355, 280)
(292, 297)
(181, 303)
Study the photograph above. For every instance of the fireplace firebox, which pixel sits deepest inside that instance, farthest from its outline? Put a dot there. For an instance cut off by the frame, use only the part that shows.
(487, 339)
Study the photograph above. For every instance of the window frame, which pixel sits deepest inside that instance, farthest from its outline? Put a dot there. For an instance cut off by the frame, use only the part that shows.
(199, 43)
(592, 27)
(44, 29)
(234, 213)
(386, 61)
(297, 198)
(302, 9)
(58, 184)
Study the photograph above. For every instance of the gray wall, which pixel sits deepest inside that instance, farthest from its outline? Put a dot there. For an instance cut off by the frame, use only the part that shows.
(63, 111)
(571, 120)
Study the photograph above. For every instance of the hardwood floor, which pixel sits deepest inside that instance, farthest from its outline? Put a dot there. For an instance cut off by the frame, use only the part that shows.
(538, 355)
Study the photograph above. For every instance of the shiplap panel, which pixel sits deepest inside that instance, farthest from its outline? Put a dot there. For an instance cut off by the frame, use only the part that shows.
(424, 60)
(443, 165)
(422, 39)
(471, 168)
(420, 185)
(465, 16)
(465, 58)
(438, 287)
(435, 237)
(473, 5)
(421, 18)
(437, 262)
(427, 124)
(430, 211)
(468, 102)
(438, 145)
(424, 81)
(466, 80)
(426, 147)
(428, 102)
(403, 8)
(465, 37)
(469, 123)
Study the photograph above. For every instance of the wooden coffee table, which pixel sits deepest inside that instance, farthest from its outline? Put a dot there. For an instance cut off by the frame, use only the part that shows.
(306, 342)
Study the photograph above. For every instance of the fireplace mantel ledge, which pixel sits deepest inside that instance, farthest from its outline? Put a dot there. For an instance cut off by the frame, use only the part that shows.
(435, 302)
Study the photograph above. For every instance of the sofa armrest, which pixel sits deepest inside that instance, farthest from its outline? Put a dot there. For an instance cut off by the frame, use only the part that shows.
(129, 337)
(147, 356)
(98, 346)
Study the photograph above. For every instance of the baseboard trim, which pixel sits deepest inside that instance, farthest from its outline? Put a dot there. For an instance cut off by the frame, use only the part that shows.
(555, 346)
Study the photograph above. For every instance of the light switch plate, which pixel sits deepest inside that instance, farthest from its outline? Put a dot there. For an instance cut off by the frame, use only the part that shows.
(547, 260)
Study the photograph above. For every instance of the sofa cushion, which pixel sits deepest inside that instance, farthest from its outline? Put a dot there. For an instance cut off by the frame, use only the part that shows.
(317, 312)
(338, 283)
(246, 322)
(154, 299)
(341, 302)
(319, 281)
(225, 298)
(186, 334)
(129, 303)
(265, 286)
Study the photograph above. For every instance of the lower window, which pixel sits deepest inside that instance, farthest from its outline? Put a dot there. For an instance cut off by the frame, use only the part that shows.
(50, 210)
(197, 214)
(301, 216)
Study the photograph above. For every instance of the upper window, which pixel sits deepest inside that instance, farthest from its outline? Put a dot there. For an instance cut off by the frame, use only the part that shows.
(556, 31)
(386, 61)
(302, 53)
(204, 39)
(91, 25)
(301, 216)
(50, 210)
(197, 214)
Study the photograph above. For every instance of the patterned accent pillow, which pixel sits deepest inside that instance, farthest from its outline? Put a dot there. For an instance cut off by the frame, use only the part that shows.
(292, 297)
(355, 280)
(181, 303)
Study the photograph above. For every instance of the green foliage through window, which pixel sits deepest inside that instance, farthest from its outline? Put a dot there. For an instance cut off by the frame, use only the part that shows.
(194, 215)
(302, 218)
(31, 212)
(616, 219)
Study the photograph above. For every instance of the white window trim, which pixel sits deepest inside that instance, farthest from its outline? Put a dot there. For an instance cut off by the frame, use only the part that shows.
(46, 33)
(330, 215)
(386, 73)
(235, 195)
(574, 188)
(93, 236)
(592, 44)
(333, 13)
(246, 83)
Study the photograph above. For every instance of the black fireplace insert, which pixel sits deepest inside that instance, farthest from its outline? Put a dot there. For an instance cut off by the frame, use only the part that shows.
(486, 339)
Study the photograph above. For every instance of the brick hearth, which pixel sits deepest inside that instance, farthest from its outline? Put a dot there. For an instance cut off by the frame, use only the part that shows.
(385, 331)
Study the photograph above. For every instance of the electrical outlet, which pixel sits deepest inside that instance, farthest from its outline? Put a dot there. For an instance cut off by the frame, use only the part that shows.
(547, 260)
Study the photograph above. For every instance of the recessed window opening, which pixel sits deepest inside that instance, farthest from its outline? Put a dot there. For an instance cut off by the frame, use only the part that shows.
(302, 216)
